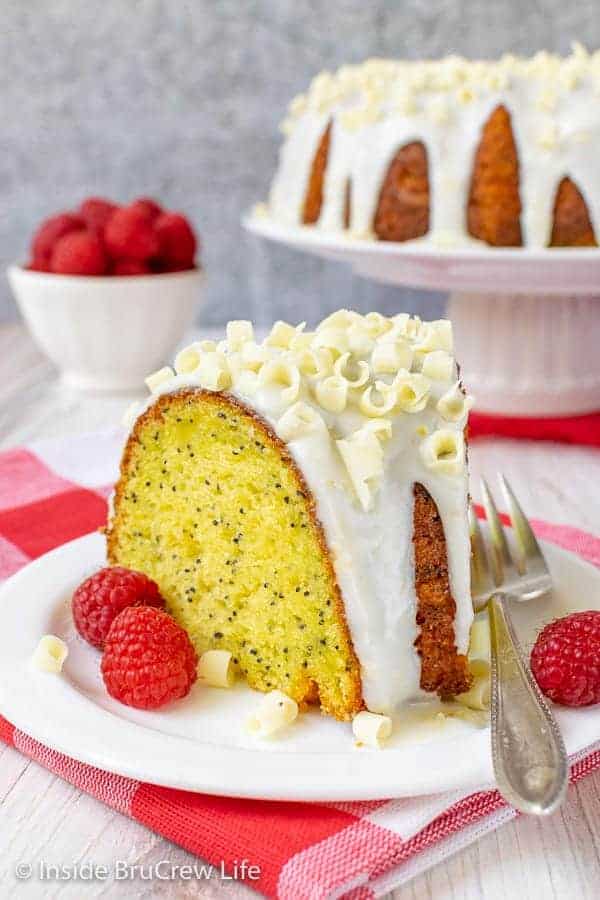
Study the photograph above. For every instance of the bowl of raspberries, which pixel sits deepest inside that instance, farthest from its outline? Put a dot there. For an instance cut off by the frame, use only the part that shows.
(109, 290)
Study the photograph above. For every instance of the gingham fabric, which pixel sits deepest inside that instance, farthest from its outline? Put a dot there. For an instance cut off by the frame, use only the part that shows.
(52, 492)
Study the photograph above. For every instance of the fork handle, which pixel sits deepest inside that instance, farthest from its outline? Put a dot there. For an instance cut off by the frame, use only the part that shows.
(530, 761)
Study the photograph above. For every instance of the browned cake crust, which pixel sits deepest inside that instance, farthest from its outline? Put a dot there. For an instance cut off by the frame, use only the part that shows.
(443, 670)
(571, 225)
(403, 208)
(314, 193)
(494, 205)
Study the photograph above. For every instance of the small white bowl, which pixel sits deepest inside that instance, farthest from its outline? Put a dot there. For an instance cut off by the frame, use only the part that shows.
(107, 333)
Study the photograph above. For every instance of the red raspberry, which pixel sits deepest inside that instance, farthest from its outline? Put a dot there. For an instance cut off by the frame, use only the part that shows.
(49, 233)
(96, 211)
(177, 241)
(78, 253)
(39, 265)
(129, 235)
(130, 267)
(565, 659)
(148, 206)
(99, 599)
(148, 660)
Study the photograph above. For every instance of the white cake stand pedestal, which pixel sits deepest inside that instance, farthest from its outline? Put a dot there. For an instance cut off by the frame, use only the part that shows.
(526, 323)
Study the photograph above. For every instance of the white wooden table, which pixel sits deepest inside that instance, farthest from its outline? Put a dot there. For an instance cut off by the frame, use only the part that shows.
(42, 817)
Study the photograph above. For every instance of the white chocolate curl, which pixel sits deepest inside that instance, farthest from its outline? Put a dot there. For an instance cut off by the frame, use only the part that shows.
(391, 355)
(333, 339)
(412, 390)
(283, 374)
(314, 363)
(213, 371)
(434, 336)
(239, 332)
(439, 366)
(332, 393)
(444, 451)
(281, 334)
(188, 359)
(158, 378)
(298, 421)
(478, 695)
(275, 712)
(377, 324)
(215, 669)
(379, 404)
(371, 729)
(50, 654)
(356, 373)
(363, 457)
(454, 405)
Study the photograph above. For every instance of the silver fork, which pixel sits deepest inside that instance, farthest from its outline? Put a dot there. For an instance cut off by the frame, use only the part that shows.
(530, 761)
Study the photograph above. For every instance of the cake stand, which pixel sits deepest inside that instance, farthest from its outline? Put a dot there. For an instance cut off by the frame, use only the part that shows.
(526, 322)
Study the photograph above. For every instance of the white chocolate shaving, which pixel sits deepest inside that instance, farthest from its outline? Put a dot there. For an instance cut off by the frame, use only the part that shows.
(379, 403)
(332, 393)
(50, 654)
(213, 371)
(215, 669)
(371, 729)
(333, 339)
(281, 335)
(479, 645)
(239, 332)
(298, 421)
(454, 405)
(377, 324)
(356, 373)
(478, 695)
(444, 451)
(438, 365)
(188, 359)
(283, 374)
(363, 457)
(412, 391)
(159, 378)
(315, 363)
(275, 712)
(391, 355)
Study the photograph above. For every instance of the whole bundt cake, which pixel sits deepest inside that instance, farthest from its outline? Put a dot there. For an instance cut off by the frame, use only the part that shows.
(503, 152)
(302, 503)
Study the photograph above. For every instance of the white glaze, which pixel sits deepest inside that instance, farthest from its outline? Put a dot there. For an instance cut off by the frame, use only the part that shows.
(378, 107)
(372, 550)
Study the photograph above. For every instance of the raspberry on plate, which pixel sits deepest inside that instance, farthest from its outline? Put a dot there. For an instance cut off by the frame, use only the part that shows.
(177, 241)
(96, 211)
(148, 659)
(99, 599)
(129, 234)
(50, 231)
(78, 253)
(565, 659)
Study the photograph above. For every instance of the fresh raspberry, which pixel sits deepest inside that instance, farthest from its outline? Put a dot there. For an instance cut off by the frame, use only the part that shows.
(96, 211)
(50, 231)
(565, 659)
(39, 265)
(78, 253)
(129, 235)
(99, 599)
(148, 206)
(148, 659)
(177, 241)
(130, 267)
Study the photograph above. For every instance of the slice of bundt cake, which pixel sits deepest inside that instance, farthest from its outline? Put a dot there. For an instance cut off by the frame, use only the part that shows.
(453, 148)
(302, 503)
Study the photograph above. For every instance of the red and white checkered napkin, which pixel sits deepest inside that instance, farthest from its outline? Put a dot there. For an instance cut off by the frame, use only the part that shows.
(52, 492)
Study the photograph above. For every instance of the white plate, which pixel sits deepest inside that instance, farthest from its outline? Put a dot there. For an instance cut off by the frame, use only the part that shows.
(473, 267)
(200, 744)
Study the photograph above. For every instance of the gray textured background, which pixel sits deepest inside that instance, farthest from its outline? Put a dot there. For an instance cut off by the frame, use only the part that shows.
(182, 100)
